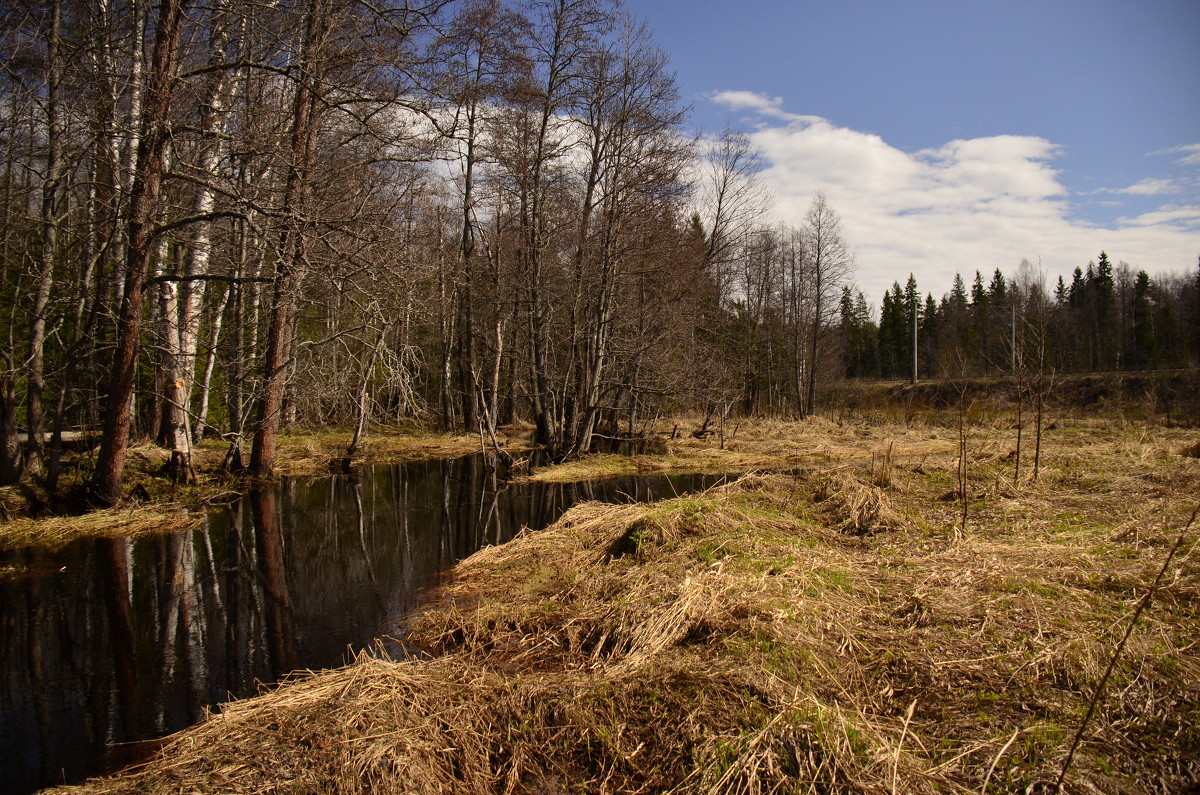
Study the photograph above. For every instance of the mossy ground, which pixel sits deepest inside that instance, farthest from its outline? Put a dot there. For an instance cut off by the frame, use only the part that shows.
(835, 629)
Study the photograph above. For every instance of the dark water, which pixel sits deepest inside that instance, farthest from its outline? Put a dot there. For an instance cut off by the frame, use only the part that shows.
(112, 643)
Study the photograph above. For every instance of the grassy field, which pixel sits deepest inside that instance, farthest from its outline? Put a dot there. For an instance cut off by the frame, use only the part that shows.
(835, 626)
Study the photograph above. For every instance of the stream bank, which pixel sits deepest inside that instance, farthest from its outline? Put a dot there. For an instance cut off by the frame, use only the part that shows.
(836, 631)
(108, 643)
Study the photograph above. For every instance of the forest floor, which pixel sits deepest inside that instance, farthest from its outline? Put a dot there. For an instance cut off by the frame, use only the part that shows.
(835, 626)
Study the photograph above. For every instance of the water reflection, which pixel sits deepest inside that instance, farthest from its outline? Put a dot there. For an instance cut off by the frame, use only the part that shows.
(117, 642)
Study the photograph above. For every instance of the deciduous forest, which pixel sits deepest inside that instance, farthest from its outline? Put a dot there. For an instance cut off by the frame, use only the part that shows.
(428, 340)
(231, 218)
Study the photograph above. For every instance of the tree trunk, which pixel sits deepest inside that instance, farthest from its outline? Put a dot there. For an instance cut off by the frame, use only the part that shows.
(9, 447)
(362, 404)
(210, 360)
(292, 249)
(144, 201)
(189, 294)
(49, 249)
(175, 386)
(467, 375)
(814, 339)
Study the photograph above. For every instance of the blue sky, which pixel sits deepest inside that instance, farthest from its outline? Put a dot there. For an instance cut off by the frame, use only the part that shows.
(952, 136)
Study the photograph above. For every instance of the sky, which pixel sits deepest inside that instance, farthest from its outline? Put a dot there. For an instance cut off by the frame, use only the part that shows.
(960, 135)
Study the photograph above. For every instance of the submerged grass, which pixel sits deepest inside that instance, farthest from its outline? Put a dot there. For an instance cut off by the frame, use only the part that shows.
(812, 632)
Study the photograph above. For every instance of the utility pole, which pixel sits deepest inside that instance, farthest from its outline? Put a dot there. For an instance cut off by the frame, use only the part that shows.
(1012, 342)
(914, 342)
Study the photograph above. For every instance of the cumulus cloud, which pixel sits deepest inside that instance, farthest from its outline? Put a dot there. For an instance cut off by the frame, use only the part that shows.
(980, 203)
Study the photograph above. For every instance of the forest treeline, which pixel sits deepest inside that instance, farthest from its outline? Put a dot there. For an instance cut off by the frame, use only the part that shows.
(228, 218)
(1105, 319)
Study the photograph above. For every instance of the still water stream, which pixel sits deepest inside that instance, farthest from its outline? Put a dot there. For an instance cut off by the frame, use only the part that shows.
(112, 643)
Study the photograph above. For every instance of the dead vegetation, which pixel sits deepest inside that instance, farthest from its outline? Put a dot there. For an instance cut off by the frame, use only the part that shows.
(860, 507)
(58, 531)
(804, 632)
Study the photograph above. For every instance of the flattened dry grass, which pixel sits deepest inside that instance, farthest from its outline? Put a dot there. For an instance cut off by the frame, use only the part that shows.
(760, 444)
(311, 452)
(58, 531)
(860, 507)
(754, 639)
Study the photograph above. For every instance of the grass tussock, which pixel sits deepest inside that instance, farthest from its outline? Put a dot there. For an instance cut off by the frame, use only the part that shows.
(755, 638)
(858, 506)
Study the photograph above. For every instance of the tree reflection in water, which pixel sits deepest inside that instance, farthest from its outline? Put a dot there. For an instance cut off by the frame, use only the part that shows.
(116, 642)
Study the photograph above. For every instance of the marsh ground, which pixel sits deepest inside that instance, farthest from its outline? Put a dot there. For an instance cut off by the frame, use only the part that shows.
(834, 628)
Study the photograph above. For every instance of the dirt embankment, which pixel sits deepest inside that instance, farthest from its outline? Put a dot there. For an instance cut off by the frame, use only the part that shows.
(835, 630)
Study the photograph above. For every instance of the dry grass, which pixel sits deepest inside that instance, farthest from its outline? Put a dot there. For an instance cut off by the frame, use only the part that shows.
(752, 639)
(759, 445)
(312, 452)
(860, 507)
(58, 531)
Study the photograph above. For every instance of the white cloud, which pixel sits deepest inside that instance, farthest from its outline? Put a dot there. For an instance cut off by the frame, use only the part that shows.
(757, 103)
(970, 204)
(1167, 214)
(1150, 187)
(1191, 154)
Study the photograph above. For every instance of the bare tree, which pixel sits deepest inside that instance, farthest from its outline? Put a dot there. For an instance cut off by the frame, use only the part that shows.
(831, 264)
(182, 298)
(144, 205)
(51, 210)
(733, 200)
(311, 62)
(474, 64)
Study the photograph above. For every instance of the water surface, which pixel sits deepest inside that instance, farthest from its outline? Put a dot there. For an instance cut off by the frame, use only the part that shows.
(111, 643)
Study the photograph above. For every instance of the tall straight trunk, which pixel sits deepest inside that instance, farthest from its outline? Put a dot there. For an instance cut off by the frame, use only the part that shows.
(49, 249)
(468, 380)
(292, 250)
(447, 327)
(534, 196)
(492, 401)
(189, 297)
(814, 339)
(210, 360)
(1020, 428)
(238, 355)
(9, 448)
(172, 421)
(144, 202)
(125, 163)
